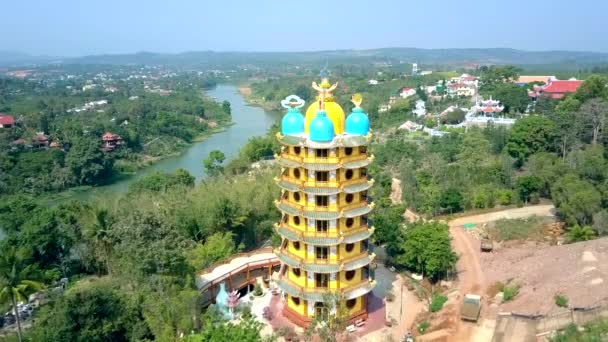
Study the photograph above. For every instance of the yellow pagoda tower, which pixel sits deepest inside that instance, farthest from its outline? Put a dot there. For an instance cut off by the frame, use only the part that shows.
(325, 247)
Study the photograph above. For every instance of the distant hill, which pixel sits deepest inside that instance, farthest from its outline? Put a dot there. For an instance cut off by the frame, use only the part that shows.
(16, 59)
(389, 55)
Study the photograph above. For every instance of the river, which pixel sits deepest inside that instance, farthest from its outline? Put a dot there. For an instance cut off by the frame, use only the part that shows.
(249, 121)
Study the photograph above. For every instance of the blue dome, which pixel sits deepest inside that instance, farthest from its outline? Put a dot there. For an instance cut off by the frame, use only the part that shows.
(292, 123)
(357, 122)
(321, 128)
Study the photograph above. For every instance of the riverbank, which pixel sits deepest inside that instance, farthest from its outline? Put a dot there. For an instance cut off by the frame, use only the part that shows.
(247, 121)
(247, 93)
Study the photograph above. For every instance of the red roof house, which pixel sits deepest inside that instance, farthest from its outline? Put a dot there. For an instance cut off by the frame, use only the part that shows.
(6, 121)
(558, 89)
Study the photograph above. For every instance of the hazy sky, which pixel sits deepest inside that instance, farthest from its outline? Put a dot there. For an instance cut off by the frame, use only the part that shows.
(79, 27)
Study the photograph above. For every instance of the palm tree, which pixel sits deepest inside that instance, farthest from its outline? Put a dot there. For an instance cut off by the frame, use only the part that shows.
(580, 233)
(99, 234)
(14, 286)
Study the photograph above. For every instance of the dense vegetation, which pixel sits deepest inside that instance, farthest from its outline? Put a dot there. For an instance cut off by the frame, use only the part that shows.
(151, 125)
(138, 255)
(559, 156)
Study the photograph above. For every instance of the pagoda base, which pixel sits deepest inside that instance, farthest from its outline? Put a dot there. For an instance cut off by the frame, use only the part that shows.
(304, 321)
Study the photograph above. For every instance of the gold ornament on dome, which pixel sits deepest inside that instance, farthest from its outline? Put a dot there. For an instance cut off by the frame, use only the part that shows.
(356, 99)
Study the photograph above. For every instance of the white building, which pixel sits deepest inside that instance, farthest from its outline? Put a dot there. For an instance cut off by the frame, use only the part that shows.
(372, 82)
(407, 92)
(384, 108)
(420, 108)
(461, 89)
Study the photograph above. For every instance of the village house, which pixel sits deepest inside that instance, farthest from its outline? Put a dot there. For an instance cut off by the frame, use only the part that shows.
(407, 92)
(461, 89)
(555, 89)
(420, 109)
(524, 80)
(111, 142)
(40, 140)
(384, 108)
(6, 121)
(372, 82)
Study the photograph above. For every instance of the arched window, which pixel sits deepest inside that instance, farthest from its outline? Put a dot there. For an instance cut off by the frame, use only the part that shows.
(349, 275)
(296, 245)
(349, 198)
(349, 222)
(295, 300)
(348, 151)
(296, 196)
(296, 272)
(296, 220)
(349, 174)
(351, 303)
(285, 218)
(349, 247)
(296, 173)
(297, 150)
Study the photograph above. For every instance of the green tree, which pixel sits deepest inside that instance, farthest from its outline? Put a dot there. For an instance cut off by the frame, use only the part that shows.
(452, 200)
(595, 86)
(565, 118)
(86, 161)
(213, 163)
(496, 75)
(593, 114)
(530, 135)
(15, 282)
(387, 221)
(216, 247)
(455, 117)
(527, 185)
(576, 200)
(427, 250)
(600, 222)
(216, 330)
(513, 97)
(97, 232)
(183, 177)
(92, 313)
(226, 107)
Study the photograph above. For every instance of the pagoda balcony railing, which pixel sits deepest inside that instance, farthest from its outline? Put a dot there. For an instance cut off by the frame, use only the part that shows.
(317, 294)
(304, 159)
(324, 213)
(318, 208)
(329, 238)
(302, 183)
(321, 265)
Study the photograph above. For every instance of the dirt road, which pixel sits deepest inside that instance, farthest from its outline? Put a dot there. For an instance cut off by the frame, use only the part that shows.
(471, 278)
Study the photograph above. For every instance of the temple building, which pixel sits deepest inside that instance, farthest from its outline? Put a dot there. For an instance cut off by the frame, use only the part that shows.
(488, 107)
(325, 252)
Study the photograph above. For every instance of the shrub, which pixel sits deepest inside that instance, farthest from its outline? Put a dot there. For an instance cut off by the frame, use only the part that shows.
(505, 197)
(561, 300)
(257, 290)
(423, 327)
(246, 312)
(437, 302)
(509, 292)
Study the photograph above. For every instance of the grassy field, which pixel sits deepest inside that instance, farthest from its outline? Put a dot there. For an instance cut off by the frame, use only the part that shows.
(519, 229)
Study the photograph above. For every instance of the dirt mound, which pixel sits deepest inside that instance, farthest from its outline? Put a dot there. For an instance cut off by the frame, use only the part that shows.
(578, 271)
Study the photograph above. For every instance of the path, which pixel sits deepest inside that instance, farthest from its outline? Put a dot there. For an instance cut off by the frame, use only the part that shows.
(239, 262)
(471, 278)
(395, 191)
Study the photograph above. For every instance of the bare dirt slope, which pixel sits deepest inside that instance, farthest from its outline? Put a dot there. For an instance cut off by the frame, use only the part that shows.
(471, 276)
(579, 271)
